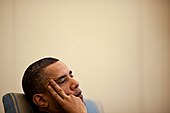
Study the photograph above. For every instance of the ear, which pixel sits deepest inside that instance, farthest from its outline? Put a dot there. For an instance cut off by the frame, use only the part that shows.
(40, 100)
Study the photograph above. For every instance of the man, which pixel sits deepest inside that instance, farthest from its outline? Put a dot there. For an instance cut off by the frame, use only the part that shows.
(50, 87)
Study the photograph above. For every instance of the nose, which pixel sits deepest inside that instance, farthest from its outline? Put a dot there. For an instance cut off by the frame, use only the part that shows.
(74, 84)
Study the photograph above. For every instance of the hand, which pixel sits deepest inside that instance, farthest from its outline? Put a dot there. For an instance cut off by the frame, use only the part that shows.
(70, 103)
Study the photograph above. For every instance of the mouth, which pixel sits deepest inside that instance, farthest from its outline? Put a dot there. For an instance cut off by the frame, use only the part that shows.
(79, 94)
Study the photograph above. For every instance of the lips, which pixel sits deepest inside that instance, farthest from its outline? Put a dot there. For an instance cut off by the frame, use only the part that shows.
(79, 94)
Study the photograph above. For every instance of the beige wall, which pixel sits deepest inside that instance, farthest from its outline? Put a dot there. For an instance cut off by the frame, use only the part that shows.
(119, 50)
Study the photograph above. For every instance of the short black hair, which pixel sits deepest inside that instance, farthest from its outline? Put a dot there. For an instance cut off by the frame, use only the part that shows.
(33, 79)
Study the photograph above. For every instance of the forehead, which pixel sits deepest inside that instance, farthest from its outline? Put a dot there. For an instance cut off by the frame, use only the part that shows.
(57, 69)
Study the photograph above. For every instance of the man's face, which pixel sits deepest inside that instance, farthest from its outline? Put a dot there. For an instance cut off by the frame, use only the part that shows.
(62, 75)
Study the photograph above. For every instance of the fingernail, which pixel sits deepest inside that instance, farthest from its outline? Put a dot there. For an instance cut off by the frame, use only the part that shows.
(49, 87)
(51, 81)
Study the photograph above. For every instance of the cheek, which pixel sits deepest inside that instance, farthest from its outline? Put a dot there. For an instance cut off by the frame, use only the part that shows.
(66, 88)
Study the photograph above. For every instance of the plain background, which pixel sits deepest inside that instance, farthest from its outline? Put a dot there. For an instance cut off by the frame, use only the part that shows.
(119, 50)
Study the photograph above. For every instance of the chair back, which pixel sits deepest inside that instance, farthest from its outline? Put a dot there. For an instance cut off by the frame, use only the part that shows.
(17, 103)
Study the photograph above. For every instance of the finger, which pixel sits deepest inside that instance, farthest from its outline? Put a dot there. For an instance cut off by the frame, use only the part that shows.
(58, 89)
(54, 94)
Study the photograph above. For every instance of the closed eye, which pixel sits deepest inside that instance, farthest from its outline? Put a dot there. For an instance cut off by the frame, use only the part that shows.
(60, 80)
(63, 78)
